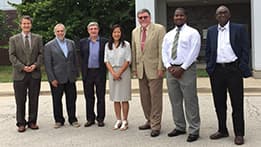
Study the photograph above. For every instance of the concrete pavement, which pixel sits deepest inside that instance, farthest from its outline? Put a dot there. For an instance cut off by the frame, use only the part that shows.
(252, 87)
(94, 136)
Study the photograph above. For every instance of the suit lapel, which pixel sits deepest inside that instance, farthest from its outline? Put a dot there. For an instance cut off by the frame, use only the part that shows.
(21, 42)
(58, 48)
(69, 47)
(232, 35)
(215, 37)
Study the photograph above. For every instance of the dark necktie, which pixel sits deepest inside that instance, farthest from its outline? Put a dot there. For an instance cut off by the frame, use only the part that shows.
(27, 49)
(175, 45)
(26, 42)
(143, 39)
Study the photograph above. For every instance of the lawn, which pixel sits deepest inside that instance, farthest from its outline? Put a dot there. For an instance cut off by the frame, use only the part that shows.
(6, 73)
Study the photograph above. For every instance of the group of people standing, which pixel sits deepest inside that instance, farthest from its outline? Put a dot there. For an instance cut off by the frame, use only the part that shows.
(152, 53)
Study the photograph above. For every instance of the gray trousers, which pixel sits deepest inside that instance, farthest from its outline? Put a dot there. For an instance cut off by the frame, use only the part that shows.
(185, 89)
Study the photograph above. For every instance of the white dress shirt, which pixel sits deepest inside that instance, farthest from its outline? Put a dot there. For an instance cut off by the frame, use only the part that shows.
(225, 53)
(187, 50)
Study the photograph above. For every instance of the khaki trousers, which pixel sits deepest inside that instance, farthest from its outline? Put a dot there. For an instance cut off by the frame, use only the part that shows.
(151, 100)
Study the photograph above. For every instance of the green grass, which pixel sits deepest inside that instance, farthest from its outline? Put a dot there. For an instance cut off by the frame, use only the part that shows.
(202, 73)
(6, 73)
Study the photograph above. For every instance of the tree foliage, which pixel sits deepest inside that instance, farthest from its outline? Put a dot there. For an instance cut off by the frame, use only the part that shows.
(76, 14)
(4, 28)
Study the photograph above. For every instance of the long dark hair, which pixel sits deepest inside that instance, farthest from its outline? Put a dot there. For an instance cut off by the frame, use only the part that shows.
(111, 40)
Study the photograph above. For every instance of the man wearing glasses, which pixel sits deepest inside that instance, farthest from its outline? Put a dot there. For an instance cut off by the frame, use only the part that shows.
(147, 66)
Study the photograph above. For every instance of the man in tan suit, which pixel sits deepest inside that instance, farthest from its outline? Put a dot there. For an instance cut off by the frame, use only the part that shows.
(148, 67)
(25, 54)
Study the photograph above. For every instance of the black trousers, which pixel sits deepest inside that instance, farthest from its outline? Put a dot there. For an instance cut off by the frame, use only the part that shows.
(31, 87)
(70, 96)
(227, 77)
(95, 81)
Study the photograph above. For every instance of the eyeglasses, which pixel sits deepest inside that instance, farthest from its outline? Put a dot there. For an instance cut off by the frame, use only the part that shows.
(143, 17)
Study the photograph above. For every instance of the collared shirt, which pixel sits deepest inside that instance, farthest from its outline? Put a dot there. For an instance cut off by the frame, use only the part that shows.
(29, 38)
(117, 56)
(147, 31)
(63, 46)
(225, 53)
(94, 47)
(187, 50)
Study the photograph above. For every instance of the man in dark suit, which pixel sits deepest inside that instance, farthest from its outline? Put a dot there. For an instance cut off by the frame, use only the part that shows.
(227, 57)
(60, 60)
(25, 54)
(93, 74)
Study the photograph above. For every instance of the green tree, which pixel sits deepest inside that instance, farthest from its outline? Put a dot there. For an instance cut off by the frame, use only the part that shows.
(76, 14)
(4, 28)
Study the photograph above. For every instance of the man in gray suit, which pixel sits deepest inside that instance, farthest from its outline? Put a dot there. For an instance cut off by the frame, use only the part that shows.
(60, 61)
(25, 54)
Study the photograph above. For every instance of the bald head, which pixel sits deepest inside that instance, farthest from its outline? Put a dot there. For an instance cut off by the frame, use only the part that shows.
(222, 15)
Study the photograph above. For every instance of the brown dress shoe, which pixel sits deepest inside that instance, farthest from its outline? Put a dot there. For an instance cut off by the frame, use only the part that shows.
(155, 133)
(21, 129)
(146, 126)
(33, 126)
(218, 135)
(239, 140)
(89, 123)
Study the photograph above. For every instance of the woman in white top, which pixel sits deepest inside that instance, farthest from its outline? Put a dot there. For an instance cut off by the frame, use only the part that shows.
(118, 58)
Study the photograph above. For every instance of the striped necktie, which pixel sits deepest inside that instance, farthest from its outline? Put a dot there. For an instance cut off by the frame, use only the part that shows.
(175, 44)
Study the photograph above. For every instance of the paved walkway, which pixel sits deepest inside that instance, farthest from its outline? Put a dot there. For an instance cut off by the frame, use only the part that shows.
(94, 136)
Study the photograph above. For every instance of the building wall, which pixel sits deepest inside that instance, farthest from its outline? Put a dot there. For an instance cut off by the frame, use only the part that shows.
(201, 17)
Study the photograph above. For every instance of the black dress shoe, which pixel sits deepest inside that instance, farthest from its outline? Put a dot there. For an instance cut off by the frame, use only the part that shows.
(89, 123)
(192, 137)
(101, 124)
(239, 140)
(146, 126)
(176, 132)
(218, 135)
(155, 133)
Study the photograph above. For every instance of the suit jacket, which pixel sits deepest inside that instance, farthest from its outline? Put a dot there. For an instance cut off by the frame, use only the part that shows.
(239, 43)
(85, 51)
(57, 65)
(150, 59)
(18, 53)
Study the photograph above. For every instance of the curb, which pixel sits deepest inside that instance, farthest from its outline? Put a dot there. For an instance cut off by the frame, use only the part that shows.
(247, 91)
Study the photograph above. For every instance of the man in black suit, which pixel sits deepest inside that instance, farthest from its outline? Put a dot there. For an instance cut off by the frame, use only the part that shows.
(227, 57)
(25, 54)
(93, 74)
(61, 67)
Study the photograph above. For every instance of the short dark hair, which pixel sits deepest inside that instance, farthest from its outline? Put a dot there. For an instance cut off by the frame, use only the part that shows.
(181, 9)
(143, 11)
(26, 17)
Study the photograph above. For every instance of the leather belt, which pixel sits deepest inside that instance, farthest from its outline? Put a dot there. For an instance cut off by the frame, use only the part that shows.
(175, 64)
(235, 63)
(93, 69)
